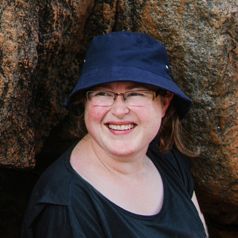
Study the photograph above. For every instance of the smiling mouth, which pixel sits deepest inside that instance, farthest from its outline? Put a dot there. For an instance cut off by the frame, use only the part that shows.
(123, 127)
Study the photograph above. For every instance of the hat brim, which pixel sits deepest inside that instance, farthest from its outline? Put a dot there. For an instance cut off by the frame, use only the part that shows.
(96, 77)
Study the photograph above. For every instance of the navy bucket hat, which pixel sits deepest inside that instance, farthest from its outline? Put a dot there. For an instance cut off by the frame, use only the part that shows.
(129, 56)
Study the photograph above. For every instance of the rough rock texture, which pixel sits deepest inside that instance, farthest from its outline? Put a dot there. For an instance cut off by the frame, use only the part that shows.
(42, 44)
(39, 59)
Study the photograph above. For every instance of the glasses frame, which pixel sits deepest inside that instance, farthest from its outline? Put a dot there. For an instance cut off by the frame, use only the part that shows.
(154, 94)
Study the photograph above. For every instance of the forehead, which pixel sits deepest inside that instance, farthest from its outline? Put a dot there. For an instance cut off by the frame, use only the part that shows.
(123, 85)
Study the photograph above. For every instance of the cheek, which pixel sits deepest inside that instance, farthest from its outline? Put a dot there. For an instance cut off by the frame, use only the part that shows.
(151, 114)
(152, 119)
(93, 114)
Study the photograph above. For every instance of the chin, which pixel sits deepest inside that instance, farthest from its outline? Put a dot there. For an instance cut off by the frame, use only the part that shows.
(122, 150)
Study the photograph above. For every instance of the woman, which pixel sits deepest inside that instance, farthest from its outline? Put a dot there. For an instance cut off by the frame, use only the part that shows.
(126, 177)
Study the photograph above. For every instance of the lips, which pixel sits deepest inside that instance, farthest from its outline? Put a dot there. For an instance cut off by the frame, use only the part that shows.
(120, 126)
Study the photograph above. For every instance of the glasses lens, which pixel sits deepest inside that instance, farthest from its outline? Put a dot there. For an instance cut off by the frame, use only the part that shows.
(101, 98)
(139, 98)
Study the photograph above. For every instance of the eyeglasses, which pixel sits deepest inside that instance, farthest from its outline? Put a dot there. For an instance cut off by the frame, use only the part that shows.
(135, 98)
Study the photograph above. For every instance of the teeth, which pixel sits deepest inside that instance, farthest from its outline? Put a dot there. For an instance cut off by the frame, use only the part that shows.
(121, 127)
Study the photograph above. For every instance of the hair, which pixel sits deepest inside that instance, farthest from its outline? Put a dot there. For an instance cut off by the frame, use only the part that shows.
(171, 133)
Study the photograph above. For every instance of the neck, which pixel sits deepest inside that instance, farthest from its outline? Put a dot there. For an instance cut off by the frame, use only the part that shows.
(130, 164)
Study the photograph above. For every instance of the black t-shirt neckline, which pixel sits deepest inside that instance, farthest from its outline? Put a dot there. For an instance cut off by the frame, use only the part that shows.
(80, 179)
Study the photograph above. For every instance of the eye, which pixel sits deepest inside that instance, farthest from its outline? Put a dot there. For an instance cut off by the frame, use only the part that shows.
(135, 94)
(102, 94)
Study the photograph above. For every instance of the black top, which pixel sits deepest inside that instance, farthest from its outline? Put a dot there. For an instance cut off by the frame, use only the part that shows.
(64, 205)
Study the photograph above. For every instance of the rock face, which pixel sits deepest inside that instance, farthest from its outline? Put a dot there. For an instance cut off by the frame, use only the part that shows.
(42, 47)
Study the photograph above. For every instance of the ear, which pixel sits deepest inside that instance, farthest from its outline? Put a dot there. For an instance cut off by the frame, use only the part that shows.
(166, 100)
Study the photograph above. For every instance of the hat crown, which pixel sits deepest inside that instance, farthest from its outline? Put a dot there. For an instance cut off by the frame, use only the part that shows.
(127, 49)
(129, 57)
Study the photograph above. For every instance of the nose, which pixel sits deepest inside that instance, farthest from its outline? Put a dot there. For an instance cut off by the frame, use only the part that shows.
(119, 107)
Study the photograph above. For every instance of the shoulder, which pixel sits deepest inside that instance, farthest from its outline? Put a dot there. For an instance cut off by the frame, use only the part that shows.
(51, 190)
(175, 165)
(173, 158)
(53, 184)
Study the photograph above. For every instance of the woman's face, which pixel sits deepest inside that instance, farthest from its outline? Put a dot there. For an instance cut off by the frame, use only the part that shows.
(121, 129)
